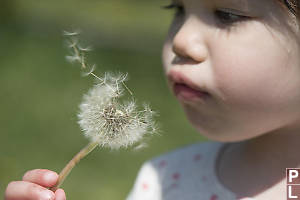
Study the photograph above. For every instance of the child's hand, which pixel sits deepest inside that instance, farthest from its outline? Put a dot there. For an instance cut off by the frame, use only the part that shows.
(34, 186)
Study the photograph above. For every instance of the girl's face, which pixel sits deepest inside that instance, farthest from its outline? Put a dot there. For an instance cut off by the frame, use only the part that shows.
(234, 66)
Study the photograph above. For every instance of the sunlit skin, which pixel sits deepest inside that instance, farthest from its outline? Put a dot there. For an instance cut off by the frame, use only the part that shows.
(244, 54)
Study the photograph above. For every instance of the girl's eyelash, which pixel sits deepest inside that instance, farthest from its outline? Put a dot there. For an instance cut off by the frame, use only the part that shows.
(227, 17)
(179, 8)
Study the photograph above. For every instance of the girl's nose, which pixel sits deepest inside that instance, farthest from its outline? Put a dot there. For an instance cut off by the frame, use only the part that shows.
(189, 41)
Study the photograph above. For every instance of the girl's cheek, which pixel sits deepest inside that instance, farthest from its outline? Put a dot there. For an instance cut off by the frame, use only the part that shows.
(251, 68)
(255, 79)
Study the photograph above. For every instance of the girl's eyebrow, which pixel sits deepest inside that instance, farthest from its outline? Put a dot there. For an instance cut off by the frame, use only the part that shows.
(244, 5)
(239, 2)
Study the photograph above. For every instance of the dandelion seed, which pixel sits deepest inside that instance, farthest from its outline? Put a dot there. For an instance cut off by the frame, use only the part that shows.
(140, 146)
(74, 33)
(92, 69)
(85, 49)
(72, 43)
(73, 58)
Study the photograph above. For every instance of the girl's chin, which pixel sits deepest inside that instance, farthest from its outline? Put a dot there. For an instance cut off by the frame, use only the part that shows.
(220, 136)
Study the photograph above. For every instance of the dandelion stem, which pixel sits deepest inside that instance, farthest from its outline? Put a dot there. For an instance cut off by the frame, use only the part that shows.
(67, 169)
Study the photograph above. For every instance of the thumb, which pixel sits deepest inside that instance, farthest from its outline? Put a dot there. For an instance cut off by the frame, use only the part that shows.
(60, 194)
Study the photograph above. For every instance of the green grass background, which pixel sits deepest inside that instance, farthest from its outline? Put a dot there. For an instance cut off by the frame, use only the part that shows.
(40, 92)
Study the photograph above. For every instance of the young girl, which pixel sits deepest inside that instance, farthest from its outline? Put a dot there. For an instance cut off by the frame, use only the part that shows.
(234, 66)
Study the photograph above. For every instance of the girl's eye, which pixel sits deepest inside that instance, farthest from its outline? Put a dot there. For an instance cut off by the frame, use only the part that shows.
(228, 18)
(179, 8)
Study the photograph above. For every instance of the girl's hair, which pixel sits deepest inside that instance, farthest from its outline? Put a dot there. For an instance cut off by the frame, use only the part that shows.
(292, 5)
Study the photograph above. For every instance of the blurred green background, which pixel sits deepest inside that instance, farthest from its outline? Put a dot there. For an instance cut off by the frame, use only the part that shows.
(40, 92)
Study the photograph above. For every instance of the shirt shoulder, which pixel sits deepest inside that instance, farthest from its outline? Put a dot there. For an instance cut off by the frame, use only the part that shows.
(179, 174)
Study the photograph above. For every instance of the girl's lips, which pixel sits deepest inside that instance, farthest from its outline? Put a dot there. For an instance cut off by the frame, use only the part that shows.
(185, 92)
(184, 88)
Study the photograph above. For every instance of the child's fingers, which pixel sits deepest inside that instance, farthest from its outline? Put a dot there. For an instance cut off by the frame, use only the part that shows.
(18, 190)
(43, 177)
(60, 194)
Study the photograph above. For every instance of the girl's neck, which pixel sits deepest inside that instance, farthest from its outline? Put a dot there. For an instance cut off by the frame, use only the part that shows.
(279, 148)
(259, 163)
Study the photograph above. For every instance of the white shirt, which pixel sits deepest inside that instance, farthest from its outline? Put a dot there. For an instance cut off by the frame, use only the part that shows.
(184, 174)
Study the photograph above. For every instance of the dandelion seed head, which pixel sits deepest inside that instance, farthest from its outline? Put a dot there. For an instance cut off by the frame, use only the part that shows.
(112, 124)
